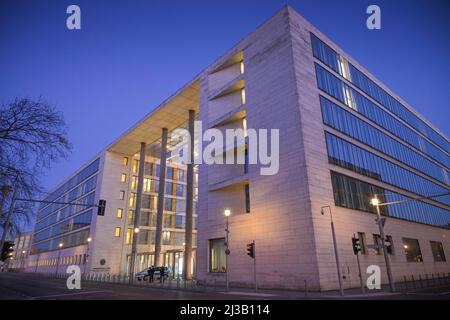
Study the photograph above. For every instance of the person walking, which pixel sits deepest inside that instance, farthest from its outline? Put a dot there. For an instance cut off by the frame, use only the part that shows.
(161, 274)
(151, 273)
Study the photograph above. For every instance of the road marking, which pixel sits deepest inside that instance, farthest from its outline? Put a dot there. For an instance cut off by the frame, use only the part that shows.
(250, 294)
(71, 294)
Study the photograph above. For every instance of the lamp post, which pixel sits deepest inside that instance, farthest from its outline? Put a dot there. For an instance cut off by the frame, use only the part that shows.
(227, 213)
(59, 256)
(376, 203)
(336, 254)
(22, 262)
(87, 253)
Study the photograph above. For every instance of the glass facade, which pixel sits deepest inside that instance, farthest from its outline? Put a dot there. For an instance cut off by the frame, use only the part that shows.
(410, 141)
(341, 66)
(336, 88)
(356, 194)
(345, 122)
(60, 221)
(349, 156)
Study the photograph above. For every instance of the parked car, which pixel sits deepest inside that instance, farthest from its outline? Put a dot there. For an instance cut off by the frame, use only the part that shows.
(143, 275)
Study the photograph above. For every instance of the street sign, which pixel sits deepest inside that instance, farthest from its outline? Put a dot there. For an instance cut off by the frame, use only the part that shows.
(383, 221)
(227, 252)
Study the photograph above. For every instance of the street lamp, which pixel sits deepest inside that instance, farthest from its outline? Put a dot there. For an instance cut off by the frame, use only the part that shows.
(336, 254)
(89, 239)
(59, 256)
(376, 203)
(136, 230)
(227, 213)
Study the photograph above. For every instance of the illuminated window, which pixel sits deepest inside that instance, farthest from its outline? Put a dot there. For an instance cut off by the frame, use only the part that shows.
(125, 161)
(244, 126)
(349, 98)
(117, 232)
(412, 250)
(119, 213)
(217, 255)
(135, 166)
(134, 182)
(132, 202)
(129, 236)
(147, 185)
(243, 96)
(122, 195)
(166, 237)
(343, 68)
(123, 178)
(242, 67)
(130, 216)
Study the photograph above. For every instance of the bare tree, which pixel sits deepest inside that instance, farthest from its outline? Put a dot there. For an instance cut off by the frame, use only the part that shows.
(33, 135)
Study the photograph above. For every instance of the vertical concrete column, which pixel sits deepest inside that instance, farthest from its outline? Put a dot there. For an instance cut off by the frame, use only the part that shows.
(137, 210)
(160, 206)
(189, 201)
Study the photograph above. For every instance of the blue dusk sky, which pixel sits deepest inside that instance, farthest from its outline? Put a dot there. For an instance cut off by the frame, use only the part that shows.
(131, 55)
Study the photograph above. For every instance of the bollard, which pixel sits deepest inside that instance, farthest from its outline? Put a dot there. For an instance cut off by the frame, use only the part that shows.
(406, 283)
(413, 282)
(420, 281)
(306, 288)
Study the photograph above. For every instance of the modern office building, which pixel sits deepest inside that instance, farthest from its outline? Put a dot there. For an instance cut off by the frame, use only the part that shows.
(22, 246)
(344, 138)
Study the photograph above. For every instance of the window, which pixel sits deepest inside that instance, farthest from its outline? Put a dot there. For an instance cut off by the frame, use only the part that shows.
(117, 232)
(217, 255)
(132, 202)
(130, 217)
(123, 178)
(362, 242)
(122, 195)
(412, 250)
(166, 237)
(119, 213)
(134, 180)
(147, 185)
(243, 100)
(144, 236)
(125, 161)
(423, 212)
(129, 236)
(438, 251)
(352, 157)
(247, 198)
(345, 122)
(377, 241)
(241, 66)
(389, 245)
(135, 166)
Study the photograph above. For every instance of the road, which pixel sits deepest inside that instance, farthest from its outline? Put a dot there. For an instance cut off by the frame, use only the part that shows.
(28, 286)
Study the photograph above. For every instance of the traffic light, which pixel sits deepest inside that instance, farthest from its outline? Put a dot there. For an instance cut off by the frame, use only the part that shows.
(388, 244)
(356, 245)
(7, 250)
(101, 207)
(251, 250)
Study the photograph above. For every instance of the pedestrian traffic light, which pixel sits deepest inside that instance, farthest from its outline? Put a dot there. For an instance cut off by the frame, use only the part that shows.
(251, 250)
(356, 245)
(7, 250)
(101, 207)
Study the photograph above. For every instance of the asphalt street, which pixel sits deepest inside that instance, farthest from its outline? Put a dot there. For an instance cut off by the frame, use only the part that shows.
(28, 286)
